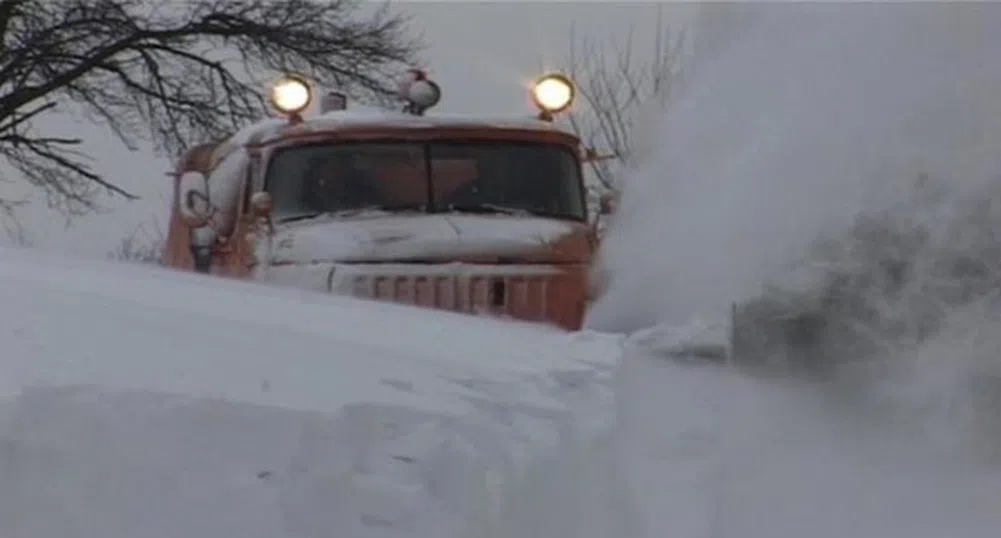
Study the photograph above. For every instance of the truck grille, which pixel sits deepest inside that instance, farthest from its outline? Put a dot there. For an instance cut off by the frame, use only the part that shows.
(526, 297)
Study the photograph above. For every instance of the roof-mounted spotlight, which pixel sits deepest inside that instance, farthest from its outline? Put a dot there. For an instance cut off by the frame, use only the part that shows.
(419, 92)
(291, 96)
(552, 94)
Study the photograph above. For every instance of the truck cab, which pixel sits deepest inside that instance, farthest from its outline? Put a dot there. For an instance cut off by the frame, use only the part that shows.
(469, 214)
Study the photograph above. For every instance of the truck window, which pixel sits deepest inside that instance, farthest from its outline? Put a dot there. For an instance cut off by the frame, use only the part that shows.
(476, 176)
(326, 178)
(543, 179)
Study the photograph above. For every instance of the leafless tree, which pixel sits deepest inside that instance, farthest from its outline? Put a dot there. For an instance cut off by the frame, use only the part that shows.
(143, 245)
(15, 233)
(616, 85)
(171, 73)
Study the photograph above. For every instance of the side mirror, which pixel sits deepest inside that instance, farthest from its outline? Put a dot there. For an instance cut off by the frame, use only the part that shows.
(260, 209)
(607, 203)
(260, 205)
(590, 155)
(200, 242)
(193, 199)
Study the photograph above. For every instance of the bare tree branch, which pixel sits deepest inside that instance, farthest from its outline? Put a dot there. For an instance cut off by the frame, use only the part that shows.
(613, 87)
(172, 74)
(149, 248)
(12, 228)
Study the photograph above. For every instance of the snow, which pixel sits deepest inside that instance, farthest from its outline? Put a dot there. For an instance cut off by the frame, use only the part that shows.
(148, 403)
(362, 116)
(248, 133)
(350, 118)
(224, 188)
(770, 145)
(395, 237)
(800, 116)
(716, 453)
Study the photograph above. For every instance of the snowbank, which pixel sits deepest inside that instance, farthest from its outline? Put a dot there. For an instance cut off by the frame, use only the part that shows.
(145, 403)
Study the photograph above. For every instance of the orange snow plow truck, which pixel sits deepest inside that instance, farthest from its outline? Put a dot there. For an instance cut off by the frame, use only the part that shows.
(464, 214)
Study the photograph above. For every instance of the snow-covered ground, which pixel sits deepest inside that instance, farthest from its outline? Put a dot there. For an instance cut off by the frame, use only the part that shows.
(145, 403)
(709, 452)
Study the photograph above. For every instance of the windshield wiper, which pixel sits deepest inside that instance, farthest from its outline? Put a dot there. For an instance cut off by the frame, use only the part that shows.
(488, 208)
(348, 212)
(294, 218)
(398, 208)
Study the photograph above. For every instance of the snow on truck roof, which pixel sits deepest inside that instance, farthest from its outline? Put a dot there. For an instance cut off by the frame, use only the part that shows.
(365, 117)
(291, 97)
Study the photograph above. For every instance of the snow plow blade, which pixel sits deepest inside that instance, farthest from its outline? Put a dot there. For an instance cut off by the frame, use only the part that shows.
(764, 335)
(700, 353)
(692, 343)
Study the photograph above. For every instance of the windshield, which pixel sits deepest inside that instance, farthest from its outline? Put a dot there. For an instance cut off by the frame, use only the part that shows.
(482, 177)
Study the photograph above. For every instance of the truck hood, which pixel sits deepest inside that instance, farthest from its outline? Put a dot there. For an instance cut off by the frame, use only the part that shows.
(427, 238)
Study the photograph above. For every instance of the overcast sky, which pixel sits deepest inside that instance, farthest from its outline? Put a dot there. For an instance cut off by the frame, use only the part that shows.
(482, 54)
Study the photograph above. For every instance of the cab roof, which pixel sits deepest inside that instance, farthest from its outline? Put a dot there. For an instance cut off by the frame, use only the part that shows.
(361, 118)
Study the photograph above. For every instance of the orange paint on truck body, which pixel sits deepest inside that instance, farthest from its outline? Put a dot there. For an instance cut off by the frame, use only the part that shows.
(460, 214)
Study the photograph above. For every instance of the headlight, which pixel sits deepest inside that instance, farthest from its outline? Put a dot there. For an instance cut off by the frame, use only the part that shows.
(291, 95)
(553, 93)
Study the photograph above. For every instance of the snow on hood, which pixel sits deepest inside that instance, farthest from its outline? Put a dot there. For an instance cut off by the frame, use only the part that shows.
(388, 237)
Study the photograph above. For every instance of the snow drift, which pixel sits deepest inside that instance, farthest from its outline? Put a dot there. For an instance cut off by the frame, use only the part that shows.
(150, 404)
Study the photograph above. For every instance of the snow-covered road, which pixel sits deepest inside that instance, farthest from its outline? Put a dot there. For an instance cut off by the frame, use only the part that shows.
(709, 452)
(150, 404)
